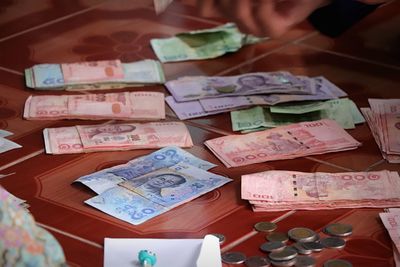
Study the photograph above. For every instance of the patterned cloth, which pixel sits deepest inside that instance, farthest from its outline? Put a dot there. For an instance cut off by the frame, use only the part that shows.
(22, 242)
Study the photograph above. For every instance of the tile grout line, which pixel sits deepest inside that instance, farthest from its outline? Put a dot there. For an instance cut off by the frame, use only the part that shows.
(348, 56)
(34, 154)
(83, 240)
(329, 164)
(379, 162)
(51, 22)
(253, 233)
(11, 70)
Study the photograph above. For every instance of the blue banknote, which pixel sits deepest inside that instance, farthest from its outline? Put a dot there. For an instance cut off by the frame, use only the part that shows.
(163, 158)
(48, 75)
(175, 185)
(126, 205)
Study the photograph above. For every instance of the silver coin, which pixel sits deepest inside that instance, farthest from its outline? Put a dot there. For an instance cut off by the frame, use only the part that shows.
(314, 246)
(302, 234)
(300, 249)
(265, 226)
(339, 229)
(333, 242)
(337, 263)
(272, 246)
(220, 237)
(257, 261)
(291, 262)
(277, 236)
(305, 261)
(233, 257)
(285, 254)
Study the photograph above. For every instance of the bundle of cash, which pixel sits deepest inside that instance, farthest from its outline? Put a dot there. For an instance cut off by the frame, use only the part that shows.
(121, 106)
(383, 118)
(115, 137)
(284, 142)
(288, 190)
(5, 144)
(261, 118)
(200, 96)
(391, 221)
(202, 44)
(94, 75)
(151, 185)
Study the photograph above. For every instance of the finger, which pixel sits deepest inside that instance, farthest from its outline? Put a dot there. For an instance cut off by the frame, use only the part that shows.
(246, 17)
(207, 8)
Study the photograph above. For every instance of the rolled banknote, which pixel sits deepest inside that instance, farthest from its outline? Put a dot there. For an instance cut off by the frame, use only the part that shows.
(284, 142)
(94, 75)
(202, 44)
(112, 137)
(122, 106)
(200, 87)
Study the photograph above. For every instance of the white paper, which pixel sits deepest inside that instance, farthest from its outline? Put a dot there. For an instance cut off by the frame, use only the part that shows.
(123, 252)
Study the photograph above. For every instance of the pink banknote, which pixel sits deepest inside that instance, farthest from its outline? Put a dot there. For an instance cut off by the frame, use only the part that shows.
(285, 142)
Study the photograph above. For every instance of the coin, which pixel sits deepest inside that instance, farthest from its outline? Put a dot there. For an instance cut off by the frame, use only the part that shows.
(257, 261)
(291, 262)
(339, 229)
(285, 254)
(265, 226)
(301, 234)
(233, 257)
(272, 246)
(337, 263)
(220, 237)
(300, 249)
(305, 261)
(277, 236)
(333, 242)
(314, 246)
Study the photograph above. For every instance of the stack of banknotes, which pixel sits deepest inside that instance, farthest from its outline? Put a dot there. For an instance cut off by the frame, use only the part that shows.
(121, 106)
(284, 142)
(199, 96)
(115, 137)
(289, 190)
(383, 118)
(94, 75)
(151, 185)
(5, 144)
(391, 221)
(202, 44)
(260, 118)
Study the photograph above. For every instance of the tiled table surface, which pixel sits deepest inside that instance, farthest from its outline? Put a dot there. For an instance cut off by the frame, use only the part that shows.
(365, 62)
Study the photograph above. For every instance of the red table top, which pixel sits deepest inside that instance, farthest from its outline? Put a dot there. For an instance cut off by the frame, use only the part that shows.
(364, 62)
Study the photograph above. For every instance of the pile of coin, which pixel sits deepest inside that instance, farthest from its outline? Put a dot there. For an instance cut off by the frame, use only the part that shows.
(304, 242)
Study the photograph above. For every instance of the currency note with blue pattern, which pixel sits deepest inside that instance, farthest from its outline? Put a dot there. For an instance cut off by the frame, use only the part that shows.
(126, 205)
(105, 179)
(175, 185)
(48, 75)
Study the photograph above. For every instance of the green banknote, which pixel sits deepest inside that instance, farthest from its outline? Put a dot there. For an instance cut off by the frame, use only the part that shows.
(202, 44)
(343, 111)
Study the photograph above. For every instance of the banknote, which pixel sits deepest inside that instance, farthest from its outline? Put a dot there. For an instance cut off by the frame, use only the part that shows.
(325, 90)
(189, 109)
(94, 75)
(161, 5)
(274, 116)
(200, 87)
(6, 145)
(391, 221)
(175, 185)
(384, 121)
(287, 187)
(4, 133)
(113, 137)
(122, 106)
(284, 142)
(201, 44)
(141, 198)
(166, 157)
